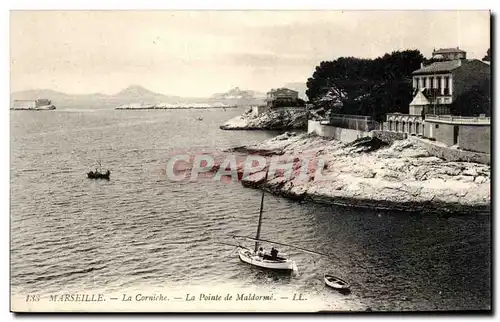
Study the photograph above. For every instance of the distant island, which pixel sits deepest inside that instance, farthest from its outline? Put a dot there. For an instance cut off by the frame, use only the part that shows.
(138, 97)
(40, 104)
(178, 106)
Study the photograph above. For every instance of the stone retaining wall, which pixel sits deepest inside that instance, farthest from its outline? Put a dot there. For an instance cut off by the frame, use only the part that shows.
(341, 134)
(450, 154)
(388, 136)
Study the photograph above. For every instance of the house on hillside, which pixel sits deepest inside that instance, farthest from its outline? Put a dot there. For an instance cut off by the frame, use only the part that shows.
(436, 87)
(443, 81)
(282, 97)
(449, 53)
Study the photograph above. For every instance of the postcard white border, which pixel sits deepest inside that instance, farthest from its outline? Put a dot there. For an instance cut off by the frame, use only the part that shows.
(184, 4)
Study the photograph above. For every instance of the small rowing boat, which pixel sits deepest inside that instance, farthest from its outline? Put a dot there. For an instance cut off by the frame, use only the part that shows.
(98, 174)
(336, 283)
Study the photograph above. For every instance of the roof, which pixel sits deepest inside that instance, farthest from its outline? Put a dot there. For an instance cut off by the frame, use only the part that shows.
(420, 99)
(448, 51)
(437, 67)
(282, 89)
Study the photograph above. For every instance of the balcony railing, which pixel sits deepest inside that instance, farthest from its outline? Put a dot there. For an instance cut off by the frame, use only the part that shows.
(433, 93)
(350, 116)
(355, 122)
(403, 115)
(459, 119)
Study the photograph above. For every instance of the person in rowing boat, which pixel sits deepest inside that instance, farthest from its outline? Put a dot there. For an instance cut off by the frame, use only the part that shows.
(260, 253)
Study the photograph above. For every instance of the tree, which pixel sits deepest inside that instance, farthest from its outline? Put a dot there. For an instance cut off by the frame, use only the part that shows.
(487, 57)
(371, 87)
(475, 101)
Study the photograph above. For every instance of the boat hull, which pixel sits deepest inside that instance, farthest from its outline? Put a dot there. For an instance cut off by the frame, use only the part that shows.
(336, 283)
(93, 175)
(253, 259)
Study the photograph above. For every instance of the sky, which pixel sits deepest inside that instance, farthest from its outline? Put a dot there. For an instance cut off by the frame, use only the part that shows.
(198, 53)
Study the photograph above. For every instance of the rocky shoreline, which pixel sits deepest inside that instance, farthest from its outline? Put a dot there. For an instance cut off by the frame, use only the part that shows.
(368, 173)
(282, 119)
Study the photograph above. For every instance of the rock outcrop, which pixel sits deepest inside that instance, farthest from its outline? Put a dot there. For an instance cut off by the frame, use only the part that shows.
(282, 119)
(369, 174)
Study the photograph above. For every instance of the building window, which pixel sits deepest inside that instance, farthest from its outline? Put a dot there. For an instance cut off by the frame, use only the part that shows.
(417, 81)
(447, 85)
(438, 80)
(424, 82)
(437, 126)
(431, 85)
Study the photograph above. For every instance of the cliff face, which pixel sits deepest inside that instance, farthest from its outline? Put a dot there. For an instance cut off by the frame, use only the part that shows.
(370, 174)
(282, 119)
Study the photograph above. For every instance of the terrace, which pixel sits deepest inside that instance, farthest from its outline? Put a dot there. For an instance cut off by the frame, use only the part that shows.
(454, 119)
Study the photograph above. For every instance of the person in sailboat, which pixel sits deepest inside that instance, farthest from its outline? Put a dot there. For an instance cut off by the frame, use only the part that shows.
(274, 254)
(260, 253)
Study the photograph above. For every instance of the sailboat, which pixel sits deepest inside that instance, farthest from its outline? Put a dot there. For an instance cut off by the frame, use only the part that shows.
(274, 260)
(264, 260)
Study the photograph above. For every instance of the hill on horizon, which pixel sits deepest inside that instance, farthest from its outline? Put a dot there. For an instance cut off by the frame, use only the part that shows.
(130, 94)
(137, 94)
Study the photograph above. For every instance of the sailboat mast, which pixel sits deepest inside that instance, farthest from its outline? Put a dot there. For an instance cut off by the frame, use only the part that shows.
(260, 221)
